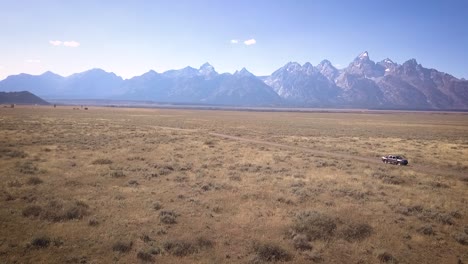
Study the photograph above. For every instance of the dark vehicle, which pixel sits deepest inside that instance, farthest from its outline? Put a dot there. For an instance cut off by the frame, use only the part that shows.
(395, 159)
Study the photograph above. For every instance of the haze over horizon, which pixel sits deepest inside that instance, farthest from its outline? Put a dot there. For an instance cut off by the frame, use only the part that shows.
(130, 38)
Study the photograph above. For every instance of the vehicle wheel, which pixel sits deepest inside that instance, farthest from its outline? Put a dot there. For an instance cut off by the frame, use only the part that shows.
(398, 163)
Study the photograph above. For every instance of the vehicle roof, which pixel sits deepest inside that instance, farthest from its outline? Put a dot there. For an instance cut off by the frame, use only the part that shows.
(396, 155)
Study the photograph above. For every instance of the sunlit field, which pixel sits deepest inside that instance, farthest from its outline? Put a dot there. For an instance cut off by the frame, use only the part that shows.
(114, 185)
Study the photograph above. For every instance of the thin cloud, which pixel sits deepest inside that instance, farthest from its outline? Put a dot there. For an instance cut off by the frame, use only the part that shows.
(71, 44)
(234, 41)
(55, 42)
(250, 42)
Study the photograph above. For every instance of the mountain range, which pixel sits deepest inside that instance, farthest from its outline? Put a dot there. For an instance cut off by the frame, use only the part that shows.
(362, 84)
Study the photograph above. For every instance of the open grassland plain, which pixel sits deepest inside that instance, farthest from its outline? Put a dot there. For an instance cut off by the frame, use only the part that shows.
(111, 185)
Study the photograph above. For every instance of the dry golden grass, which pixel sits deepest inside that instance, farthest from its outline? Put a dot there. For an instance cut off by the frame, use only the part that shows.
(113, 185)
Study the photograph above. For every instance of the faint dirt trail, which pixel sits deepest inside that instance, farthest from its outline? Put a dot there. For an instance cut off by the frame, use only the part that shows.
(177, 129)
(313, 151)
(416, 167)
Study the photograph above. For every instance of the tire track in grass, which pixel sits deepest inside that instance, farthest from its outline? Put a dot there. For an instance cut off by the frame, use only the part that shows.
(338, 155)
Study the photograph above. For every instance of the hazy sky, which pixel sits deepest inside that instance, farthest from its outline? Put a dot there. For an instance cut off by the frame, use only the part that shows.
(132, 37)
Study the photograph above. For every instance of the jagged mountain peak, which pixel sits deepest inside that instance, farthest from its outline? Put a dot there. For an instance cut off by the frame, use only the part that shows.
(206, 66)
(411, 62)
(150, 73)
(49, 74)
(296, 68)
(309, 68)
(188, 68)
(243, 72)
(207, 70)
(186, 72)
(292, 66)
(388, 65)
(326, 68)
(388, 61)
(96, 72)
(292, 63)
(325, 63)
(361, 60)
(364, 67)
(363, 56)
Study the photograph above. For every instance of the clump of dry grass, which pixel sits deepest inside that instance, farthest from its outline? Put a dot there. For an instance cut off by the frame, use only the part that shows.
(235, 177)
(461, 238)
(270, 253)
(122, 246)
(164, 169)
(133, 183)
(314, 225)
(438, 185)
(182, 248)
(356, 232)
(426, 230)
(385, 257)
(40, 242)
(11, 153)
(355, 194)
(387, 177)
(179, 248)
(32, 211)
(426, 214)
(9, 197)
(93, 222)
(117, 174)
(168, 217)
(301, 242)
(146, 238)
(157, 206)
(285, 201)
(204, 243)
(27, 167)
(34, 180)
(145, 256)
(102, 162)
(14, 183)
(56, 211)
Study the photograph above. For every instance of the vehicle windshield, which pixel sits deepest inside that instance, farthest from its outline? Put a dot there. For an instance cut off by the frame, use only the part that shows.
(399, 157)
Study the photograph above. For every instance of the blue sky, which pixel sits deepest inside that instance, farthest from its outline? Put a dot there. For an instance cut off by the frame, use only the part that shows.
(132, 37)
